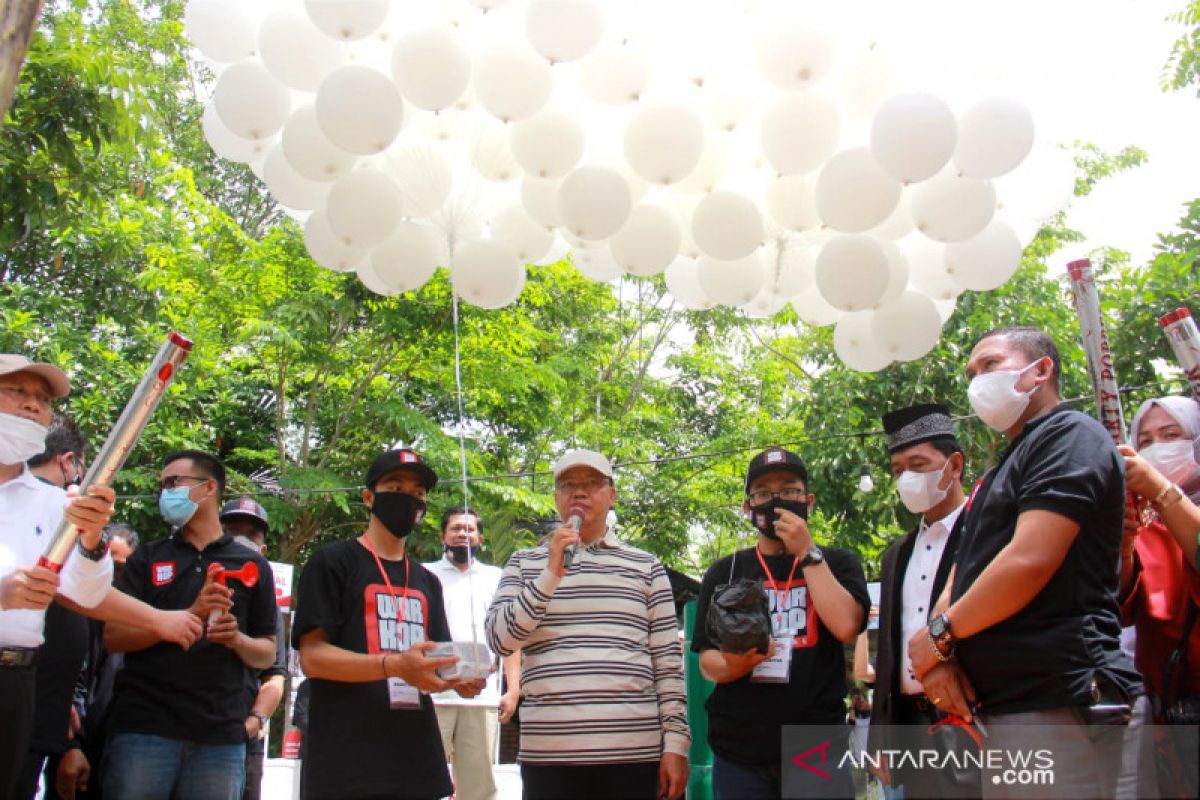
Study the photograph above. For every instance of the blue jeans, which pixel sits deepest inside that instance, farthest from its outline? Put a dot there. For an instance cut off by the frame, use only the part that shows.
(139, 766)
(734, 781)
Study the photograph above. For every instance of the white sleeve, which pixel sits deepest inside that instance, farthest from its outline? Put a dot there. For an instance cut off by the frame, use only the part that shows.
(86, 581)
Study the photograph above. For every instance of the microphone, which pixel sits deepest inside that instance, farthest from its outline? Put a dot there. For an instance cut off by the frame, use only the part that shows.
(574, 521)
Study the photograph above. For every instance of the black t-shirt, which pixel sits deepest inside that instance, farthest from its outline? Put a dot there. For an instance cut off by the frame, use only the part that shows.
(356, 745)
(744, 717)
(199, 694)
(59, 661)
(1046, 655)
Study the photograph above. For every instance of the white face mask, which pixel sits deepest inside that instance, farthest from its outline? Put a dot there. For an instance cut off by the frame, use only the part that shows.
(20, 439)
(995, 398)
(1176, 461)
(919, 490)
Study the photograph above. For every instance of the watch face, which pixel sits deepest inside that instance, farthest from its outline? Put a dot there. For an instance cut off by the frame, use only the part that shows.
(815, 555)
(937, 626)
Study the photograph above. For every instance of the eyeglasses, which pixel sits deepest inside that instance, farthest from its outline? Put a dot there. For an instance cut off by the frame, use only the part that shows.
(590, 485)
(21, 395)
(172, 481)
(760, 496)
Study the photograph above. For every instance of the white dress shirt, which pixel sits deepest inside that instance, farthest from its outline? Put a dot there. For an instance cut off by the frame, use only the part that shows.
(462, 592)
(918, 584)
(30, 511)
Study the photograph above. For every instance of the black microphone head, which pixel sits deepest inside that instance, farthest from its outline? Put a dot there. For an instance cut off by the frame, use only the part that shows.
(575, 518)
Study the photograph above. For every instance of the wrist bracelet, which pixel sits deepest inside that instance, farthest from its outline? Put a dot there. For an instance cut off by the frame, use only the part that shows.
(943, 657)
(92, 555)
(1163, 500)
(383, 665)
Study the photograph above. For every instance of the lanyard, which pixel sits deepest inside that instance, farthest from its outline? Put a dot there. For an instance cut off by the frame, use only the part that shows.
(779, 593)
(401, 607)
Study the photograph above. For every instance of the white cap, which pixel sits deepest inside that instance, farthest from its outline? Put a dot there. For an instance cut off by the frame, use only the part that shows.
(583, 458)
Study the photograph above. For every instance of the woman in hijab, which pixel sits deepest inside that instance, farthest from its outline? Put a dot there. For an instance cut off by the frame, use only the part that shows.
(1160, 578)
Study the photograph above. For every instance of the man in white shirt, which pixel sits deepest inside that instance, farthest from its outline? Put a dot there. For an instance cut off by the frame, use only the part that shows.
(927, 463)
(30, 512)
(469, 725)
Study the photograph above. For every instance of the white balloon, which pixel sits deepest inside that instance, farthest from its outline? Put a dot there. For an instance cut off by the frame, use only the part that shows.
(528, 239)
(1042, 186)
(540, 199)
(226, 143)
(597, 264)
(648, 242)
(296, 52)
(727, 226)
(250, 102)
(359, 109)
(512, 83)
(347, 19)
(800, 131)
(792, 201)
(899, 223)
(713, 165)
(952, 208)
(913, 136)
(987, 260)
(548, 145)
(767, 303)
(683, 282)
(866, 83)
(946, 308)
(994, 136)
(289, 187)
(364, 207)
(852, 272)
(927, 268)
(733, 282)
(908, 327)
(221, 29)
(853, 193)
(729, 105)
(854, 344)
(309, 151)
(421, 172)
(487, 274)
(794, 56)
(617, 76)
(594, 202)
(371, 279)
(491, 153)
(431, 68)
(795, 270)
(408, 258)
(563, 30)
(327, 248)
(814, 310)
(664, 143)
(897, 273)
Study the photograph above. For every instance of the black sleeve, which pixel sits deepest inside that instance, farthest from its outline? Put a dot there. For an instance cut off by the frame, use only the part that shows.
(1070, 469)
(717, 573)
(439, 628)
(133, 578)
(280, 665)
(318, 598)
(300, 708)
(848, 571)
(260, 617)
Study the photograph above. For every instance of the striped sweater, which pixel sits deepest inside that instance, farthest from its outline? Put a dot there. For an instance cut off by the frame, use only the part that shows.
(602, 670)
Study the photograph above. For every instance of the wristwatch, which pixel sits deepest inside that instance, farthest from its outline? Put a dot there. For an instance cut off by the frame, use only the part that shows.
(939, 633)
(263, 719)
(98, 553)
(815, 555)
(1168, 497)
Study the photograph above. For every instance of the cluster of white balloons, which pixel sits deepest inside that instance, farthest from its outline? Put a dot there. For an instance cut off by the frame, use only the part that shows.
(492, 134)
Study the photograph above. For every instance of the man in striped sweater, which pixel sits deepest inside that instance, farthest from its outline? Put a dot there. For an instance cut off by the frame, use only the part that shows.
(604, 707)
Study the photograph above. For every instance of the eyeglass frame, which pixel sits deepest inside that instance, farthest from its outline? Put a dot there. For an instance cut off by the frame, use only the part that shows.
(750, 496)
(174, 481)
(589, 485)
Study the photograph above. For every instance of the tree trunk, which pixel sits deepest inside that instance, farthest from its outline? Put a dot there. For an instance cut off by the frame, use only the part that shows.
(18, 19)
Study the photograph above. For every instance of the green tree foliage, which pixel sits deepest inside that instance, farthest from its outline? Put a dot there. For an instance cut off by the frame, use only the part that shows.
(1183, 65)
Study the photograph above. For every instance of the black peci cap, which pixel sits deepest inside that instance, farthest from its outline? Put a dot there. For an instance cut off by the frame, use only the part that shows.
(914, 425)
(772, 460)
(393, 460)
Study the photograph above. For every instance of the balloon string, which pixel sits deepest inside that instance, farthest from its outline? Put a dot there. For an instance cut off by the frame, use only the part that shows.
(462, 448)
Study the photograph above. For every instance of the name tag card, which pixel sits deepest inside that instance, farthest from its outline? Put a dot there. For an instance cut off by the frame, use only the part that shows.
(401, 696)
(776, 668)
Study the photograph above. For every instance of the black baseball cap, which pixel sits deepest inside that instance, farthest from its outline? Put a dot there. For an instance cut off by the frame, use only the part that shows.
(393, 460)
(245, 507)
(774, 459)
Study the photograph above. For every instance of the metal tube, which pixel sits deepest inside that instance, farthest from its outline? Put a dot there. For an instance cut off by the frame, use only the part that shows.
(1095, 345)
(121, 439)
(1184, 337)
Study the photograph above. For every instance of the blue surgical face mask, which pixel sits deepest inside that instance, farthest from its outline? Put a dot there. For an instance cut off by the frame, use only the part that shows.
(176, 506)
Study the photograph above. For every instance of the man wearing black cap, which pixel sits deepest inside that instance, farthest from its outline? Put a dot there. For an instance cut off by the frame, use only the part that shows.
(246, 521)
(927, 463)
(366, 618)
(817, 599)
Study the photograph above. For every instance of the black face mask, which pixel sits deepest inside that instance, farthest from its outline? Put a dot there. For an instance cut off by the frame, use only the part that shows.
(763, 517)
(399, 512)
(461, 553)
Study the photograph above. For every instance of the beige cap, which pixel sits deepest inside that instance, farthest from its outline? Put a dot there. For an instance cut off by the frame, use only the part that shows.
(60, 386)
(583, 458)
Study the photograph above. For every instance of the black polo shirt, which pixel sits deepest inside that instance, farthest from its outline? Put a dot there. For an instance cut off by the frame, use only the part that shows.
(1047, 654)
(199, 694)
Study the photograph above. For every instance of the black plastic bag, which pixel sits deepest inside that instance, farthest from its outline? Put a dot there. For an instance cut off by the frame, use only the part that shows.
(737, 618)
